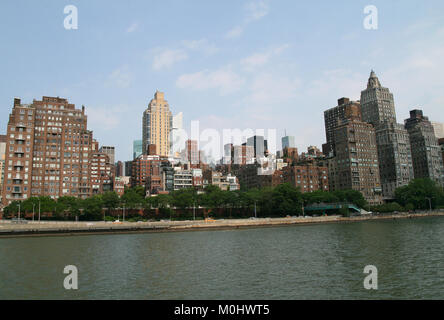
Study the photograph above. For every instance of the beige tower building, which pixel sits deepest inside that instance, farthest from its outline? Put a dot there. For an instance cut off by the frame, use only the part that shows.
(157, 124)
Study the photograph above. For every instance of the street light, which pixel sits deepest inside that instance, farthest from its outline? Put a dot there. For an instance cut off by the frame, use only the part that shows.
(33, 211)
(255, 213)
(430, 203)
(39, 210)
(123, 213)
(194, 210)
(19, 212)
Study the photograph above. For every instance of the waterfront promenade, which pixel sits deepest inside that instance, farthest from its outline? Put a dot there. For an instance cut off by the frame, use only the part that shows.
(10, 228)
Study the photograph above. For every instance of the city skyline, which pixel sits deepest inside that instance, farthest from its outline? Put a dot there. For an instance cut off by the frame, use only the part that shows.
(276, 70)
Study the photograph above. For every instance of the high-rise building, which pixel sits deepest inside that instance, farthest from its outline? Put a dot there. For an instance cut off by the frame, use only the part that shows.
(192, 152)
(392, 140)
(157, 124)
(345, 110)
(288, 142)
(259, 144)
(441, 144)
(177, 139)
(120, 169)
(110, 151)
(48, 151)
(439, 129)
(137, 148)
(243, 155)
(355, 164)
(426, 152)
(377, 103)
(128, 166)
(102, 172)
(2, 161)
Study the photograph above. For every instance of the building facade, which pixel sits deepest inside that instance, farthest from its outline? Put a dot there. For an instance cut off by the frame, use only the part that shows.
(288, 142)
(426, 152)
(308, 178)
(438, 127)
(355, 164)
(157, 124)
(48, 151)
(2, 161)
(441, 145)
(259, 144)
(345, 110)
(110, 151)
(137, 148)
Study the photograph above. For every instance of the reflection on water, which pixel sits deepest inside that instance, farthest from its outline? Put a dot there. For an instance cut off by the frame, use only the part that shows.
(297, 262)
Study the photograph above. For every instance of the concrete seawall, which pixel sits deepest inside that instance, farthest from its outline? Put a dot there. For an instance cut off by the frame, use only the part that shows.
(32, 228)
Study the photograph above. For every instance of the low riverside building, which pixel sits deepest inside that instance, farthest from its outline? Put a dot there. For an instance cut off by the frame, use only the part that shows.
(183, 179)
(308, 177)
(227, 182)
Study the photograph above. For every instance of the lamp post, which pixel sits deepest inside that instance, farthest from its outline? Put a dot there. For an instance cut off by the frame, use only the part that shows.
(194, 210)
(33, 211)
(255, 213)
(430, 203)
(39, 210)
(123, 213)
(19, 212)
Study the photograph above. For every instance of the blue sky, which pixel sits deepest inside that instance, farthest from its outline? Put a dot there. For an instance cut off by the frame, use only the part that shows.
(229, 64)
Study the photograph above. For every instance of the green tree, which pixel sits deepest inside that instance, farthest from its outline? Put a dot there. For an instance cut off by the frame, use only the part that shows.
(93, 208)
(133, 197)
(110, 200)
(418, 192)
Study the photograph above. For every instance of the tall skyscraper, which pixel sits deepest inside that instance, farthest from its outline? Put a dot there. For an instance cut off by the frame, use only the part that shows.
(48, 151)
(177, 139)
(426, 152)
(377, 103)
(392, 140)
(288, 142)
(259, 144)
(157, 124)
(345, 110)
(137, 148)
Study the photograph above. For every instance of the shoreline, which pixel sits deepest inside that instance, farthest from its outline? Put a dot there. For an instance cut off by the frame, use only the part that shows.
(63, 228)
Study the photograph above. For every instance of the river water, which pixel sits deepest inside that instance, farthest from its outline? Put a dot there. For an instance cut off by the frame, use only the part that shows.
(324, 261)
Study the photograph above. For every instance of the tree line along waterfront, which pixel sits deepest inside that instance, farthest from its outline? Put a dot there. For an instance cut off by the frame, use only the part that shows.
(184, 204)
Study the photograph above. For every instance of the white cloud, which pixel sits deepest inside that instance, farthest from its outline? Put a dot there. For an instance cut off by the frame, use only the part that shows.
(234, 33)
(201, 45)
(224, 80)
(259, 59)
(104, 118)
(268, 90)
(133, 27)
(256, 10)
(167, 58)
(120, 77)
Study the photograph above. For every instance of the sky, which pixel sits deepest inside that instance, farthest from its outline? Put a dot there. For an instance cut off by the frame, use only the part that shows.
(257, 64)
